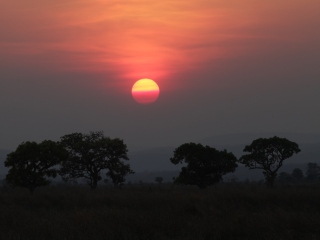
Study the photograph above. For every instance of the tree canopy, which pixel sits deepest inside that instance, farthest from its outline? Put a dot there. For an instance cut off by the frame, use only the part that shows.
(205, 166)
(268, 154)
(313, 172)
(89, 154)
(31, 164)
(297, 174)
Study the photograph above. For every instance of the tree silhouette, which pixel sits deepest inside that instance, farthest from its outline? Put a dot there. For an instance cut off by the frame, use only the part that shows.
(89, 154)
(297, 174)
(205, 166)
(284, 177)
(268, 154)
(32, 164)
(313, 171)
(117, 171)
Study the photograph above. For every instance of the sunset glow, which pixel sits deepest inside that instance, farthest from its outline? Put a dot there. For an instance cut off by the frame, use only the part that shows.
(130, 39)
(145, 91)
(223, 67)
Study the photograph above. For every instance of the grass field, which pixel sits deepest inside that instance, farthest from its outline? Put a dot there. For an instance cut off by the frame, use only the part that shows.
(226, 211)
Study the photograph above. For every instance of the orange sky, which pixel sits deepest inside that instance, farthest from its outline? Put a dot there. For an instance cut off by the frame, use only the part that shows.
(134, 39)
(222, 66)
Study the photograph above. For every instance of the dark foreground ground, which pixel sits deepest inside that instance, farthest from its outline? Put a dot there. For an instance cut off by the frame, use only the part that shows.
(152, 213)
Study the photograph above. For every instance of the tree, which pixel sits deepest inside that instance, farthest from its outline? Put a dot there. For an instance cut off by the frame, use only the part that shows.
(284, 177)
(313, 171)
(268, 154)
(297, 174)
(31, 164)
(89, 154)
(159, 179)
(205, 166)
(117, 171)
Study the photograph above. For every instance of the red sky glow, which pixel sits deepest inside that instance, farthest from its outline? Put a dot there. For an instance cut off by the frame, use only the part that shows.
(141, 38)
(222, 66)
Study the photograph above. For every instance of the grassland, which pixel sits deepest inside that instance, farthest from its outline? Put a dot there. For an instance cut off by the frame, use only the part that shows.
(226, 211)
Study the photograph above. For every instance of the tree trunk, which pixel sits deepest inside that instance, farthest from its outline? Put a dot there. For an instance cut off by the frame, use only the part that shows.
(270, 178)
(94, 184)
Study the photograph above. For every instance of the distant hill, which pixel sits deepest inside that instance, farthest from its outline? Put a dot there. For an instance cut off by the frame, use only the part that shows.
(149, 176)
(156, 159)
(247, 138)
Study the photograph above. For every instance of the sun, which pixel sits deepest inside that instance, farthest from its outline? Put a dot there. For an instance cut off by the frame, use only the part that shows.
(145, 91)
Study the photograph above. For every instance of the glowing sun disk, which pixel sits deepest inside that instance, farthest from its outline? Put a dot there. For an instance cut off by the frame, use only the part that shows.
(145, 91)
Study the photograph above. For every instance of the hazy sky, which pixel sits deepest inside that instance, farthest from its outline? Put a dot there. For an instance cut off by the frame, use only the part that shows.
(223, 66)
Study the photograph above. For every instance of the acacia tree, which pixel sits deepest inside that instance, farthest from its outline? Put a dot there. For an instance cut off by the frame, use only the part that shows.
(205, 166)
(284, 177)
(268, 154)
(31, 164)
(297, 174)
(89, 154)
(313, 171)
(117, 170)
